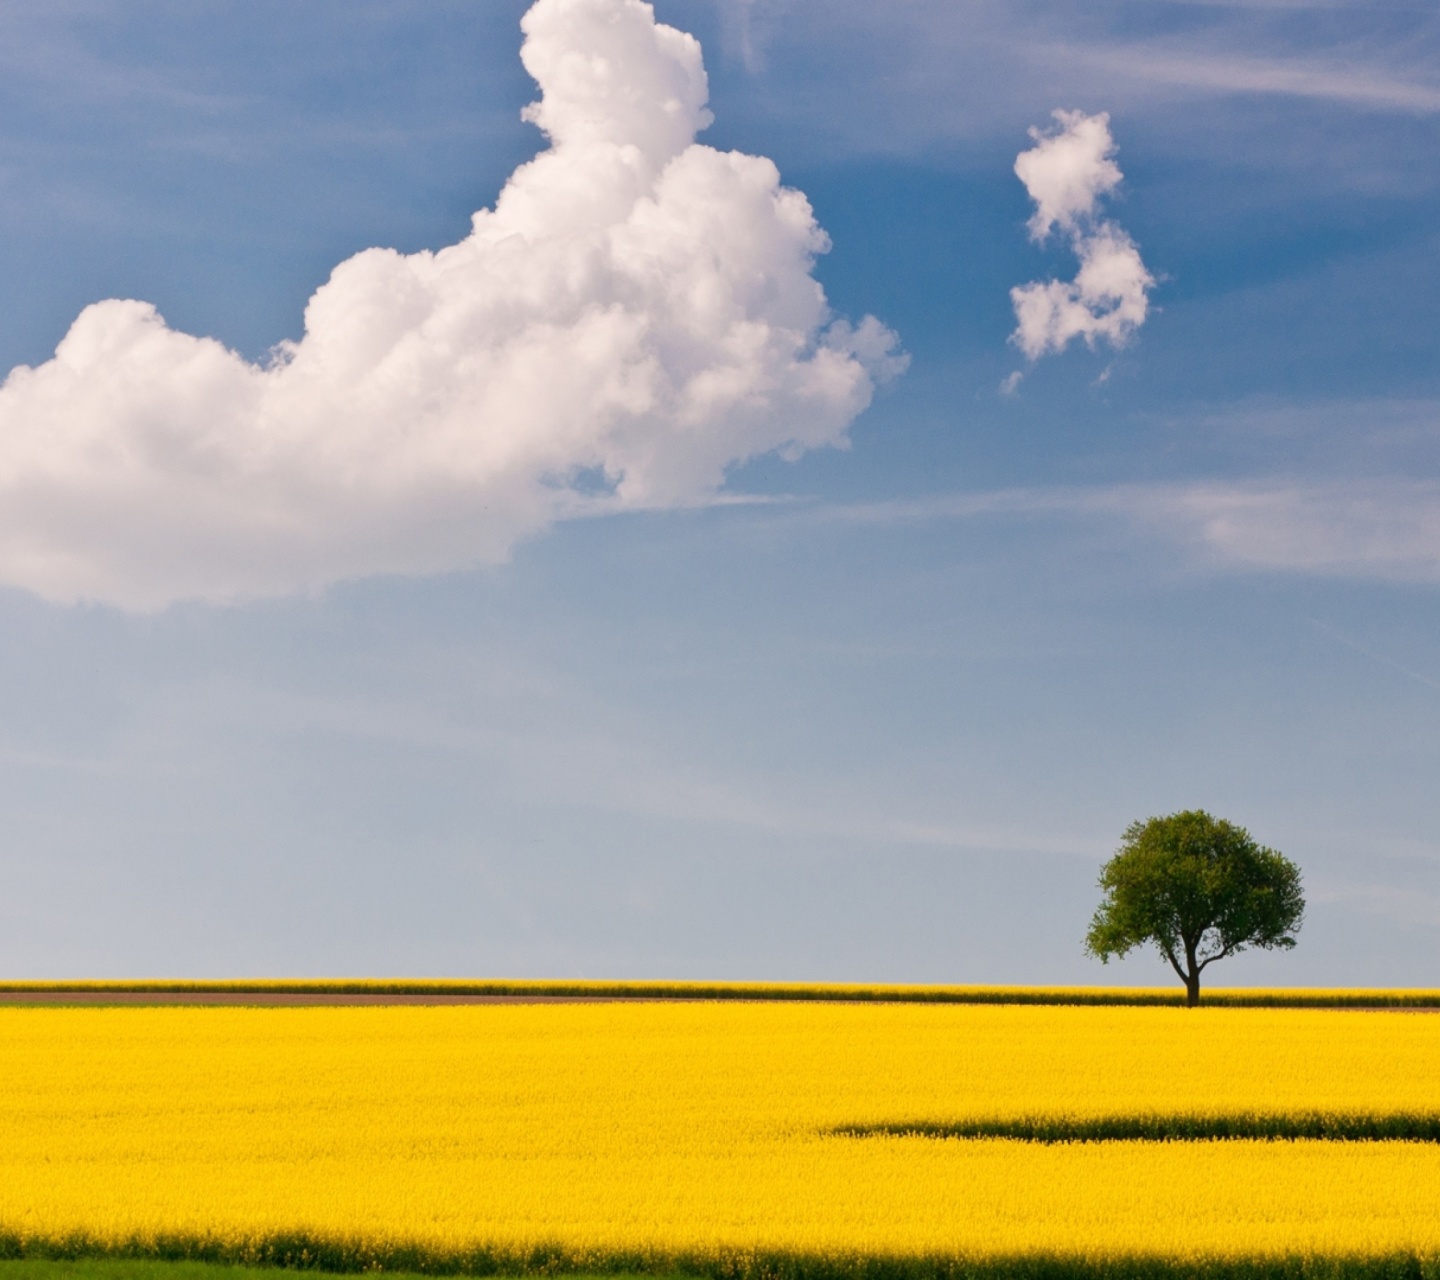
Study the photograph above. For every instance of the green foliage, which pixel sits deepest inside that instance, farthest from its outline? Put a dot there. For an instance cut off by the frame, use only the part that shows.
(1325, 1126)
(101, 1268)
(1200, 889)
(779, 1266)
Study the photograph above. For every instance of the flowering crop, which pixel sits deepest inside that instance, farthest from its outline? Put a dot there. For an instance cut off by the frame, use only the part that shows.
(731, 1138)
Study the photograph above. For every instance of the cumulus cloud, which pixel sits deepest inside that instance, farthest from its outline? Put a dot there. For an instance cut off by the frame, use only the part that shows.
(635, 316)
(1068, 172)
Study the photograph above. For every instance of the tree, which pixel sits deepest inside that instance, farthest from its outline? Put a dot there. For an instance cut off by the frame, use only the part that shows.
(1200, 889)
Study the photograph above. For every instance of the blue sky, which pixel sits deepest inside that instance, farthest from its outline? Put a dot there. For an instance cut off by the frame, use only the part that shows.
(877, 712)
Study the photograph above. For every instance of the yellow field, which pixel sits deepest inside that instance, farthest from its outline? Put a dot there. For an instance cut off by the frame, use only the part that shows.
(583, 1135)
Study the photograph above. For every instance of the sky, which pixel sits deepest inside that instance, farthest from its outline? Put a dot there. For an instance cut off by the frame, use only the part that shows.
(778, 508)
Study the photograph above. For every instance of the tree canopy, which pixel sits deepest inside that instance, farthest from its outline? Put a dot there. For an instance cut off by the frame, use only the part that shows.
(1200, 889)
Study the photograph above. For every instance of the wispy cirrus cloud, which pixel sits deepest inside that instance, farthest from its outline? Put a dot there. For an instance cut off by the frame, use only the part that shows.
(934, 70)
(1387, 529)
(1230, 72)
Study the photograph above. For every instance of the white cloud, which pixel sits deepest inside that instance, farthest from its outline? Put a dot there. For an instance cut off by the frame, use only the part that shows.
(635, 315)
(1067, 173)
(1385, 528)
(1229, 71)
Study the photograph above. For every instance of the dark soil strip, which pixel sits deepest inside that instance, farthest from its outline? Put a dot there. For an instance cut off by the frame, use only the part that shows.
(278, 998)
(421, 991)
(1323, 1126)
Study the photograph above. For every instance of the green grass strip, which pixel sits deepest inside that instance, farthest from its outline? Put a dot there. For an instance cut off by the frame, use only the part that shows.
(1317, 1125)
(1231, 997)
(98, 1268)
(177, 1259)
(109, 1268)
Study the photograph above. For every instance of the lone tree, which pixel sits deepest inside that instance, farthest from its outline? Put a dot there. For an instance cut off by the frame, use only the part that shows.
(1200, 889)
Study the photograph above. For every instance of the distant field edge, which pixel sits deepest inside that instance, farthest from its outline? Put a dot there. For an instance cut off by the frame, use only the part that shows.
(460, 990)
(184, 1260)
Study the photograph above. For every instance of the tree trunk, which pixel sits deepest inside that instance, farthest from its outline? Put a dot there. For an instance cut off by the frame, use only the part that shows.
(1192, 975)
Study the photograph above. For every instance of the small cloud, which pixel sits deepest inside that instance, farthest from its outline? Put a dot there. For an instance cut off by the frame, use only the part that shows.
(1010, 383)
(1067, 173)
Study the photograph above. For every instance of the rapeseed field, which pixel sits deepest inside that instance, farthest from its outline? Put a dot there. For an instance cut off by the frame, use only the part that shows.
(725, 1138)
